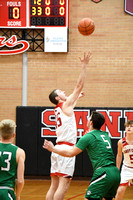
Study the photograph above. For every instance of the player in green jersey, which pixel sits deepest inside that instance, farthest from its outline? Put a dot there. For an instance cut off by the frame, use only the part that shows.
(106, 176)
(12, 160)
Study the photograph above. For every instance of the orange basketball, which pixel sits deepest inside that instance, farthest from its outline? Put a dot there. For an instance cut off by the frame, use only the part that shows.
(86, 26)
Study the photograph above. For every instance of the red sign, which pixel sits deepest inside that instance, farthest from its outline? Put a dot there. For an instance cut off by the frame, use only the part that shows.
(12, 42)
(13, 13)
(112, 121)
(129, 6)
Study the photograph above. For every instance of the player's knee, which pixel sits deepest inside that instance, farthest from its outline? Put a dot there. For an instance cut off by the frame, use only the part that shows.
(120, 189)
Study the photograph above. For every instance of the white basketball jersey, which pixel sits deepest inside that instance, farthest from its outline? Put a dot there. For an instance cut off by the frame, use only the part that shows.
(66, 129)
(128, 153)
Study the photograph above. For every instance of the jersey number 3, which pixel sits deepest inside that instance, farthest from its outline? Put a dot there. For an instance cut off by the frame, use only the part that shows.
(6, 160)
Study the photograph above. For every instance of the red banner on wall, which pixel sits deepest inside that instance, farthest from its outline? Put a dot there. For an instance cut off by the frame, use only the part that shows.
(129, 6)
(114, 121)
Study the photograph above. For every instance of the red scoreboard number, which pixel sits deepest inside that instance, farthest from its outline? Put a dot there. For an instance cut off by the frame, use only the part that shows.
(47, 12)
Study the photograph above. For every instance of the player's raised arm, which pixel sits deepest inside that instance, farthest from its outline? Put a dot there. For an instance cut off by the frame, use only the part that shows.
(71, 100)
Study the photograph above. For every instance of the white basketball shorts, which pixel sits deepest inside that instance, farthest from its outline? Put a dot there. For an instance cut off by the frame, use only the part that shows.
(62, 166)
(126, 176)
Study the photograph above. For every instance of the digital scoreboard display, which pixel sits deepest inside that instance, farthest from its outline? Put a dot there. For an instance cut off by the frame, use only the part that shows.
(33, 13)
(14, 13)
(47, 13)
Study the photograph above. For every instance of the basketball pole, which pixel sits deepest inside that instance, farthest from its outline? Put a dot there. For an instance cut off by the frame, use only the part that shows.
(24, 80)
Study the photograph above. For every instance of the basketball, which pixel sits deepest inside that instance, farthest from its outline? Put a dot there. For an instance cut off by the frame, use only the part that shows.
(86, 26)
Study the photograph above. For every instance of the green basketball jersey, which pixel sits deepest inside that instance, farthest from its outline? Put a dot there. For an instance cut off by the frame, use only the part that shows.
(8, 164)
(98, 146)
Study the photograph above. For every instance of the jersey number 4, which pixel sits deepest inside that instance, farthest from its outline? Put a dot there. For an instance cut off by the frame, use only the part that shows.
(6, 160)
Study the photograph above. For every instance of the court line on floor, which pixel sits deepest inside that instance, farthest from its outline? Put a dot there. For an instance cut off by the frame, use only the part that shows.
(76, 196)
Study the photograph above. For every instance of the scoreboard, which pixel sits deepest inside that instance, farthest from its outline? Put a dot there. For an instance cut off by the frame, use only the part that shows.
(33, 13)
(50, 15)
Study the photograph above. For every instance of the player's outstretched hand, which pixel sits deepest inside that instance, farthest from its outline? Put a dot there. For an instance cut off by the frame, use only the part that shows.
(86, 58)
(48, 145)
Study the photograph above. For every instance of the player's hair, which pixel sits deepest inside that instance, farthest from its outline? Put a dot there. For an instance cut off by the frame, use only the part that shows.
(52, 96)
(98, 120)
(7, 128)
(129, 122)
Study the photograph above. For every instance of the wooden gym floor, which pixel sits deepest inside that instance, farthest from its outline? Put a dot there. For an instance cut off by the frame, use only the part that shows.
(36, 190)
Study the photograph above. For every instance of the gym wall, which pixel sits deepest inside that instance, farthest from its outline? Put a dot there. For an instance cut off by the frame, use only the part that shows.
(110, 72)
